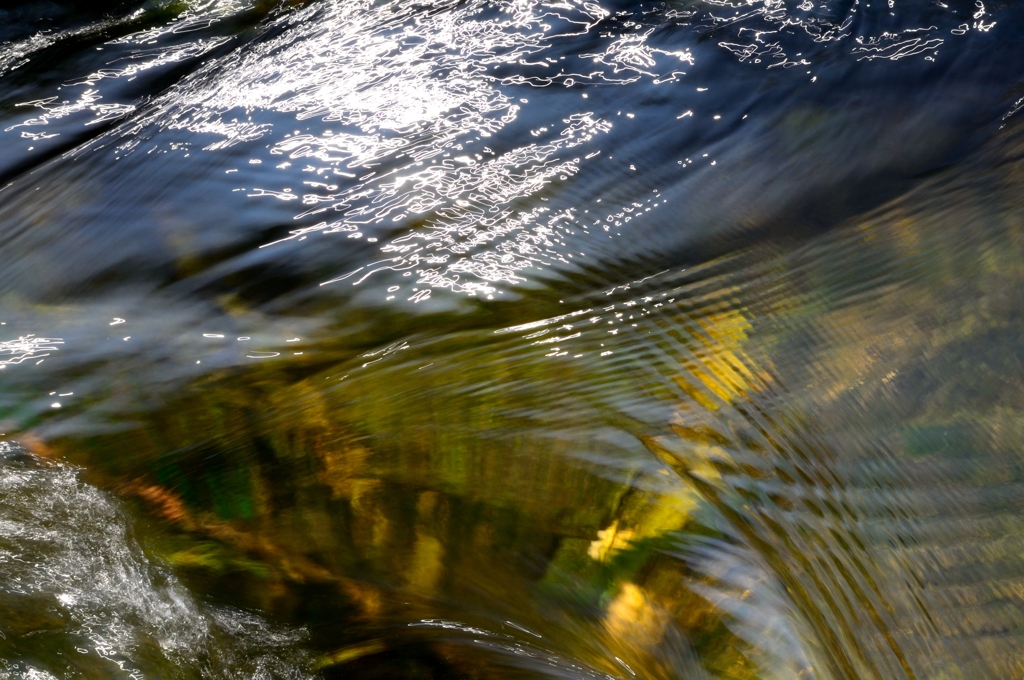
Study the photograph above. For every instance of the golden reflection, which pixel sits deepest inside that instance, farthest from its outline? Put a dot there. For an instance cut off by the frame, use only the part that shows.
(352, 652)
(634, 621)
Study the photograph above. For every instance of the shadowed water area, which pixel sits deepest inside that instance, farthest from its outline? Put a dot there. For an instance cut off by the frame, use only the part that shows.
(577, 339)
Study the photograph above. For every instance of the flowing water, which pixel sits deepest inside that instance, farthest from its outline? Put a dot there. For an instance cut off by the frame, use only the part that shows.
(511, 339)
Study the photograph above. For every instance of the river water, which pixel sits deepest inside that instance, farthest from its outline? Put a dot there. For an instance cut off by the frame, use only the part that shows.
(477, 339)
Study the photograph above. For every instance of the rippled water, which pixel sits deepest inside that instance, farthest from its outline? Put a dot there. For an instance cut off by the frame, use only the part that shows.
(511, 339)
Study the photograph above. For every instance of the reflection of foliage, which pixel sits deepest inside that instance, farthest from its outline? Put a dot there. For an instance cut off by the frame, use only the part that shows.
(276, 487)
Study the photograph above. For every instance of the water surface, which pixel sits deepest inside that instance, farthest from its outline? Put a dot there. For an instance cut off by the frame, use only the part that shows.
(521, 339)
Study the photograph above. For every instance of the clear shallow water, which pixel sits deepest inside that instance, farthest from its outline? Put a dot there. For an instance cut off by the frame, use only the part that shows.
(515, 340)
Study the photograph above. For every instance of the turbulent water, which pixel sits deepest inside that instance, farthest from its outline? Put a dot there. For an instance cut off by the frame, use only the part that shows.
(80, 597)
(578, 339)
